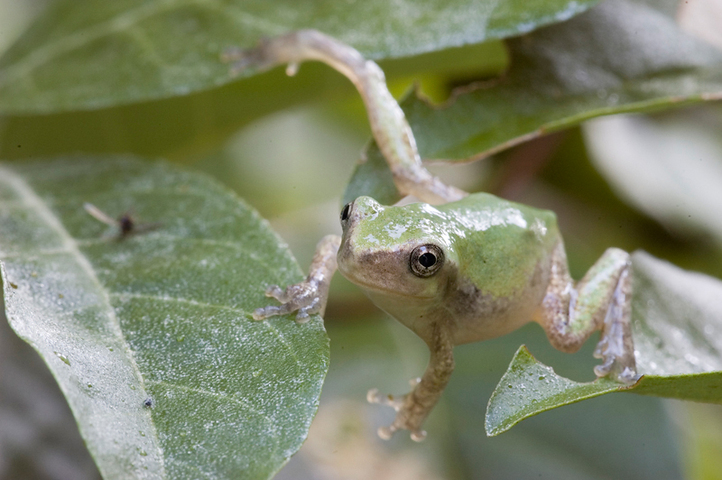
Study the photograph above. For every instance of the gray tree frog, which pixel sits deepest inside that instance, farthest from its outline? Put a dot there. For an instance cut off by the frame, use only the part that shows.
(470, 268)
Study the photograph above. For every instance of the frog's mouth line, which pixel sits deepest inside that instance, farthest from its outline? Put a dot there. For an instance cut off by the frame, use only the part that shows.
(395, 293)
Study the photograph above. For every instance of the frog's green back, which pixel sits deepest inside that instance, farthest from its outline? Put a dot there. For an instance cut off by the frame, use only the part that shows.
(500, 244)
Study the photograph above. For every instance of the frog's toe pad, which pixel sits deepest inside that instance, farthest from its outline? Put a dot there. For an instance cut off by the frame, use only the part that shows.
(402, 417)
(303, 315)
(373, 396)
(619, 366)
(385, 433)
(274, 291)
(265, 312)
(301, 297)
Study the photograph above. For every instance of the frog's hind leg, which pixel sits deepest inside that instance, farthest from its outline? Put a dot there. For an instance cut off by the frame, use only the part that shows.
(413, 408)
(388, 122)
(600, 301)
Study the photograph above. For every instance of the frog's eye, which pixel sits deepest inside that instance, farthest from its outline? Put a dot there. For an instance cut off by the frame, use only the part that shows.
(345, 212)
(426, 260)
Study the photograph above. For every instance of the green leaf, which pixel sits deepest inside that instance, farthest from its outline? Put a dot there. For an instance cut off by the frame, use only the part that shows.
(372, 178)
(42, 439)
(532, 388)
(99, 53)
(676, 324)
(163, 314)
(621, 56)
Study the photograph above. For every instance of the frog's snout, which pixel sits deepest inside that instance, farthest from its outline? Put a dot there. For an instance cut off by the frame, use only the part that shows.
(360, 208)
(353, 216)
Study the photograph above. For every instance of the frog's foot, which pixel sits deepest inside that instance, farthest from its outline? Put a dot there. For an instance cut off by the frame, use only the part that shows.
(310, 296)
(303, 297)
(291, 49)
(616, 347)
(260, 58)
(408, 415)
(616, 363)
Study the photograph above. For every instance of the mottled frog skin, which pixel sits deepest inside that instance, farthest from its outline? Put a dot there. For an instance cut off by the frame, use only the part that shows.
(493, 267)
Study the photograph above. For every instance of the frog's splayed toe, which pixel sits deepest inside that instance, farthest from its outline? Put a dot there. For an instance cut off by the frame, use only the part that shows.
(401, 404)
(373, 396)
(616, 347)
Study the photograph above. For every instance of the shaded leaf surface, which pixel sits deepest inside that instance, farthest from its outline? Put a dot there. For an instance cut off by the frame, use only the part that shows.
(161, 315)
(99, 53)
(676, 323)
(621, 56)
(668, 166)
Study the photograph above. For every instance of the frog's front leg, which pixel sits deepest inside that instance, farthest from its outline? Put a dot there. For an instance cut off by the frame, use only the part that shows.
(309, 296)
(413, 408)
(600, 301)
(388, 122)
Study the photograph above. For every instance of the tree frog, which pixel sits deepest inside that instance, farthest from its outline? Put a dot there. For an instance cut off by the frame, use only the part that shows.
(466, 269)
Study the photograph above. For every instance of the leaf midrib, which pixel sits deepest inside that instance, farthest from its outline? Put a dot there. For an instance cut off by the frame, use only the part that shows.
(33, 201)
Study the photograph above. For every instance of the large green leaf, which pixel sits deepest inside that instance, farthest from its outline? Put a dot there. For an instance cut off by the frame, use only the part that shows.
(676, 324)
(163, 314)
(621, 56)
(97, 53)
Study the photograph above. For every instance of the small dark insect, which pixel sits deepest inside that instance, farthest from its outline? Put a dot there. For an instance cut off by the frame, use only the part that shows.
(148, 403)
(125, 223)
(13, 285)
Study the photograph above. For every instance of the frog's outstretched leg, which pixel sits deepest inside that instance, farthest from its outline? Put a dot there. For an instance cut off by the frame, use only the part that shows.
(413, 408)
(309, 296)
(388, 123)
(600, 301)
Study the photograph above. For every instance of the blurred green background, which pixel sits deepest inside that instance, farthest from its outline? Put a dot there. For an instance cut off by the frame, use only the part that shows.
(291, 158)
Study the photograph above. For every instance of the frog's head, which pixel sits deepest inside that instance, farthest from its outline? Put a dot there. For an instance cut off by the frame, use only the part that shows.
(400, 256)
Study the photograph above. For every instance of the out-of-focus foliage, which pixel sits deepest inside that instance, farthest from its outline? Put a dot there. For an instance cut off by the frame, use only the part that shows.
(574, 442)
(666, 166)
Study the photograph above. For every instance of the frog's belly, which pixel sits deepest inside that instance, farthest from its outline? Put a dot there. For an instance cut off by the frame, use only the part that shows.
(479, 316)
(491, 319)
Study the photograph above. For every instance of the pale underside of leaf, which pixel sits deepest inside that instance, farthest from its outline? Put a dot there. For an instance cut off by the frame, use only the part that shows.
(161, 315)
(668, 166)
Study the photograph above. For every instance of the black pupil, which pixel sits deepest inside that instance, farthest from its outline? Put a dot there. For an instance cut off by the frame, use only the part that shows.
(427, 260)
(344, 212)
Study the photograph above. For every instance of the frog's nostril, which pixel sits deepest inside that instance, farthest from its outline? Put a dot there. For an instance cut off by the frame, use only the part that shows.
(346, 211)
